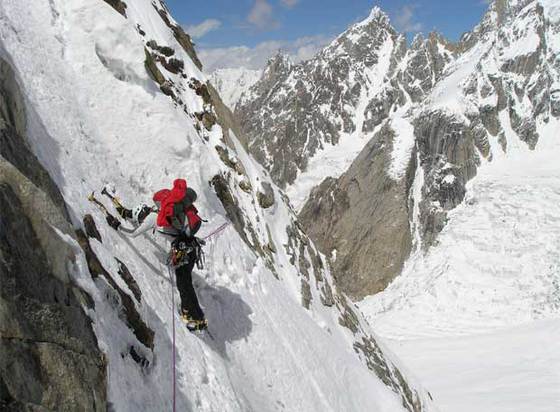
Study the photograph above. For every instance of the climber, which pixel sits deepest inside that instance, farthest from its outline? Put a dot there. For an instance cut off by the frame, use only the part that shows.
(178, 220)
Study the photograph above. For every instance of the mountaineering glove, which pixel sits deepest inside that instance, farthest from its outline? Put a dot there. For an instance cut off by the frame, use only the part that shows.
(113, 222)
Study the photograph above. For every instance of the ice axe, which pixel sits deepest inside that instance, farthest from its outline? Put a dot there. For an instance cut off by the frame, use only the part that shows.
(114, 199)
(96, 202)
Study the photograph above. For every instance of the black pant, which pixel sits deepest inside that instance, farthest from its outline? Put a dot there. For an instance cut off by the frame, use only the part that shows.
(189, 301)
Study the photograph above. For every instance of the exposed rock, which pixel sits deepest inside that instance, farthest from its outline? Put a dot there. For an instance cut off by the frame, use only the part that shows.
(294, 111)
(245, 185)
(152, 68)
(389, 373)
(91, 228)
(446, 148)
(234, 213)
(143, 333)
(349, 215)
(182, 38)
(138, 358)
(118, 5)
(201, 90)
(266, 198)
(129, 280)
(305, 293)
(13, 146)
(348, 317)
(49, 358)
(226, 119)
(173, 65)
(165, 50)
(425, 63)
(232, 163)
(167, 89)
(207, 118)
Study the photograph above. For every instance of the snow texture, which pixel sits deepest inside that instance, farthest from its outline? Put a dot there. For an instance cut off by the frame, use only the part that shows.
(231, 84)
(496, 266)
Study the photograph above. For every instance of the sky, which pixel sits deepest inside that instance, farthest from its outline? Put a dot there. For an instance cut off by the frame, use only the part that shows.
(245, 33)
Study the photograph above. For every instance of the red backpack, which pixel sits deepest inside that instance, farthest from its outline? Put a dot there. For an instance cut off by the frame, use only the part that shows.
(167, 199)
(194, 220)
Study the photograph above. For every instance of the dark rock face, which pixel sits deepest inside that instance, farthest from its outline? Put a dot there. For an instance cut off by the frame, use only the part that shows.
(134, 321)
(447, 154)
(266, 198)
(389, 374)
(118, 5)
(48, 353)
(350, 216)
(49, 358)
(129, 280)
(13, 146)
(91, 228)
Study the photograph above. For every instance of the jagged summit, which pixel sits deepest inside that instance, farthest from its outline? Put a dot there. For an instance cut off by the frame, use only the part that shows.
(377, 16)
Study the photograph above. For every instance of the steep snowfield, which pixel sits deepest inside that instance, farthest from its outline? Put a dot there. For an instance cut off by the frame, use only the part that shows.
(96, 117)
(232, 83)
(496, 266)
(496, 262)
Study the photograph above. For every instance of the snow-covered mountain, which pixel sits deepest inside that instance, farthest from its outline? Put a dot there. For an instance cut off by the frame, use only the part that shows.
(299, 113)
(399, 129)
(232, 83)
(314, 117)
(96, 92)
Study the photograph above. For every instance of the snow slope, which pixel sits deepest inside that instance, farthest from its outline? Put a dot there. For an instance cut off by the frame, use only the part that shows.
(96, 117)
(496, 266)
(496, 262)
(503, 371)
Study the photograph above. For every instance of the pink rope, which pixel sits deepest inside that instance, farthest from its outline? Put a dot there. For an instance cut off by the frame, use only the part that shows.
(218, 230)
(173, 320)
(215, 232)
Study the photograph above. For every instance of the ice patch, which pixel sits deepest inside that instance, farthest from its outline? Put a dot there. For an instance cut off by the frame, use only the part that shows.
(403, 144)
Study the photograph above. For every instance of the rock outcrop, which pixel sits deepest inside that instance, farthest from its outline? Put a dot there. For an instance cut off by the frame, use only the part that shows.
(49, 356)
(361, 220)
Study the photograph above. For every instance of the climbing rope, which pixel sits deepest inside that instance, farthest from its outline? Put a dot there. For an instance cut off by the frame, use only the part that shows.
(218, 230)
(174, 358)
(173, 321)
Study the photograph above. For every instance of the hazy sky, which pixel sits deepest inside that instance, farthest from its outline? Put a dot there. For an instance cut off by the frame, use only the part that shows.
(233, 33)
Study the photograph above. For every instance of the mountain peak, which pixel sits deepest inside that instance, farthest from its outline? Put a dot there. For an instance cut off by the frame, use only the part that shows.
(375, 15)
